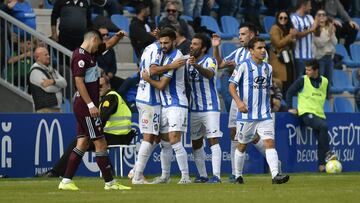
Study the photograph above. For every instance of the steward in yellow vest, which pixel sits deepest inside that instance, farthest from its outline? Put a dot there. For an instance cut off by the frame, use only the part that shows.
(312, 90)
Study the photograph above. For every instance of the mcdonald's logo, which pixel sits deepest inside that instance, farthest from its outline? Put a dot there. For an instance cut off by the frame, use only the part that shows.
(49, 139)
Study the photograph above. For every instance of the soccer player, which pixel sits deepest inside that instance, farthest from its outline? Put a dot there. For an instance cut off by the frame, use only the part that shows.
(86, 76)
(174, 107)
(204, 107)
(253, 77)
(247, 31)
(149, 107)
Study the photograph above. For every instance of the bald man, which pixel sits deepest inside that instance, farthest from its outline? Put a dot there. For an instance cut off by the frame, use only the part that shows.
(45, 83)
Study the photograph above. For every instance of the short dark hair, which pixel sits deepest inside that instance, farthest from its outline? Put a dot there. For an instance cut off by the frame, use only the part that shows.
(140, 6)
(313, 63)
(167, 32)
(252, 42)
(300, 3)
(251, 26)
(205, 40)
(92, 32)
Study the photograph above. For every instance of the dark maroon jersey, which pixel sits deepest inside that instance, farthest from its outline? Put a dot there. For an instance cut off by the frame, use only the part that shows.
(83, 64)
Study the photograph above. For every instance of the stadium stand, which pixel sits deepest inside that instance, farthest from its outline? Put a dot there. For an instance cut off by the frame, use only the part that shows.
(121, 22)
(230, 25)
(343, 105)
(210, 23)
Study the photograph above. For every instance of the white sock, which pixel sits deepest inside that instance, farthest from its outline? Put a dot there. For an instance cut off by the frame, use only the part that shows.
(165, 157)
(260, 147)
(216, 159)
(272, 159)
(239, 163)
(66, 180)
(199, 158)
(182, 159)
(143, 157)
(234, 143)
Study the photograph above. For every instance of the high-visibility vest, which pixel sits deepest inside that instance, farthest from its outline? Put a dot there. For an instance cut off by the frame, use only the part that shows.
(311, 99)
(119, 123)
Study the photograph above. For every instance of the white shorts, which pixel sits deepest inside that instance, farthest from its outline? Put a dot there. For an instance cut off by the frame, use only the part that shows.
(149, 118)
(173, 119)
(246, 131)
(205, 124)
(232, 115)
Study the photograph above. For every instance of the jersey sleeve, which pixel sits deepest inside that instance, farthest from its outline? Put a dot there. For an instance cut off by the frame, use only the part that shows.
(231, 56)
(237, 73)
(78, 66)
(295, 22)
(211, 65)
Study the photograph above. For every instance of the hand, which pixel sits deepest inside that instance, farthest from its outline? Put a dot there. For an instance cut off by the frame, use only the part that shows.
(293, 32)
(94, 112)
(242, 107)
(121, 34)
(145, 75)
(354, 25)
(210, 3)
(293, 111)
(337, 23)
(55, 37)
(276, 103)
(192, 60)
(155, 32)
(11, 3)
(215, 40)
(47, 82)
(230, 64)
(177, 63)
(110, 75)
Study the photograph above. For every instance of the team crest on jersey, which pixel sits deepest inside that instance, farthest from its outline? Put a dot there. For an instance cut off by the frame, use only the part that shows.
(81, 63)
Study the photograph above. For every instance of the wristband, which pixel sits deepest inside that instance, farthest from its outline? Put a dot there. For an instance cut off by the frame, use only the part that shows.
(90, 105)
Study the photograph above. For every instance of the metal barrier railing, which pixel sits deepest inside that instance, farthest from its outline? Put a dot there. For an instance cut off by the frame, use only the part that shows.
(17, 45)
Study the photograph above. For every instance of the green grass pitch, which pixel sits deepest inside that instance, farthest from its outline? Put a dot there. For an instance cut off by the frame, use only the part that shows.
(305, 187)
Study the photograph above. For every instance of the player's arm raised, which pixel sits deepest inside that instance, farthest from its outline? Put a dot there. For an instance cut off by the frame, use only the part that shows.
(215, 42)
(115, 39)
(158, 84)
(80, 86)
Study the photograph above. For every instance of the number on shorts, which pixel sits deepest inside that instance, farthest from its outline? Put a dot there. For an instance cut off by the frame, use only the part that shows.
(241, 126)
(156, 118)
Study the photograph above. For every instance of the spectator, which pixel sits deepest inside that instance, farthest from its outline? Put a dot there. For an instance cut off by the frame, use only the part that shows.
(22, 11)
(226, 8)
(357, 90)
(107, 61)
(111, 7)
(324, 44)
(305, 26)
(275, 96)
(193, 8)
(19, 64)
(75, 19)
(347, 29)
(182, 43)
(45, 83)
(207, 6)
(140, 31)
(172, 18)
(252, 12)
(282, 37)
(312, 90)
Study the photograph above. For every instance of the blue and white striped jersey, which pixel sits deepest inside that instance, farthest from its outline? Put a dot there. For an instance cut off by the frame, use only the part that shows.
(146, 93)
(254, 82)
(174, 94)
(240, 54)
(303, 48)
(204, 96)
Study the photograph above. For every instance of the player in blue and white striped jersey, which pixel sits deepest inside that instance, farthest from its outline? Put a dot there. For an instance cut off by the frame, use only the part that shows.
(250, 88)
(246, 32)
(304, 24)
(204, 107)
(174, 107)
(149, 107)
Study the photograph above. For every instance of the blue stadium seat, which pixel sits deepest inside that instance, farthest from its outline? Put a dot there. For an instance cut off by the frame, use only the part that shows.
(230, 25)
(210, 23)
(122, 22)
(186, 18)
(130, 9)
(355, 81)
(327, 106)
(340, 49)
(227, 48)
(354, 51)
(93, 16)
(342, 104)
(341, 82)
(48, 5)
(268, 22)
(357, 20)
